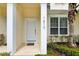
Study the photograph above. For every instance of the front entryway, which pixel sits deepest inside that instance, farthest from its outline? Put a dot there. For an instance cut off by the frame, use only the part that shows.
(28, 50)
(30, 31)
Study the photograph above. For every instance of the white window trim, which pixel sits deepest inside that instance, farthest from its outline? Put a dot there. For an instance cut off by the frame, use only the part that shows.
(59, 25)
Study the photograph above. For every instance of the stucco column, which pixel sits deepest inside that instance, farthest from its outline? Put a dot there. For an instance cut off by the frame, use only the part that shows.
(11, 28)
(43, 28)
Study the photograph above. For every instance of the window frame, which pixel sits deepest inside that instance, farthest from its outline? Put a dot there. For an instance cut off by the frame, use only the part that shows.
(58, 16)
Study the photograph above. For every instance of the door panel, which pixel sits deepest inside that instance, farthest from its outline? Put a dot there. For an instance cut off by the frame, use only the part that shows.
(31, 31)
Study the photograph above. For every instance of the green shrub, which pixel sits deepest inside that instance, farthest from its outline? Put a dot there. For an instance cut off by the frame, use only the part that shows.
(2, 39)
(76, 54)
(40, 55)
(62, 49)
(68, 51)
(50, 52)
(5, 54)
(49, 45)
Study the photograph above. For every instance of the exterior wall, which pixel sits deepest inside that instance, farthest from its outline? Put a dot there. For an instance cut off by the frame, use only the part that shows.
(3, 20)
(61, 13)
(41, 26)
(19, 28)
(76, 25)
(22, 14)
(3, 8)
(34, 12)
(31, 11)
(3, 27)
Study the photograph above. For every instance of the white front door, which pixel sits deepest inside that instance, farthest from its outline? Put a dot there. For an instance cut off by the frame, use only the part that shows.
(31, 31)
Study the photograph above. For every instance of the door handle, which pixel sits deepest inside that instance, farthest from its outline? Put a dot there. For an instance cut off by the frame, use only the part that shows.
(35, 31)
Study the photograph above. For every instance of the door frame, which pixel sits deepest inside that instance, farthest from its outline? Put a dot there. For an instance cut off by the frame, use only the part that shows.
(25, 23)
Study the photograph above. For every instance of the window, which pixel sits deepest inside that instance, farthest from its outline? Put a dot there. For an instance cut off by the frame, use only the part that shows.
(58, 26)
(63, 25)
(54, 25)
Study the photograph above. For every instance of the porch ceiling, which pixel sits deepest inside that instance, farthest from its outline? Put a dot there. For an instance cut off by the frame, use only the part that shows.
(30, 10)
(3, 9)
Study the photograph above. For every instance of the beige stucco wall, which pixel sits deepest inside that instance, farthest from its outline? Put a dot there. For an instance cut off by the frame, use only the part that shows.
(33, 12)
(3, 26)
(3, 20)
(19, 28)
(24, 11)
(3, 10)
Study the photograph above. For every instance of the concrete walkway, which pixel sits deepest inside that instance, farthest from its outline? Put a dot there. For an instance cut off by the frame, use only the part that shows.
(28, 51)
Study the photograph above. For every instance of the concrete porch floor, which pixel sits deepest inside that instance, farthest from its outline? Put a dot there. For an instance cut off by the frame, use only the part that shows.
(29, 50)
